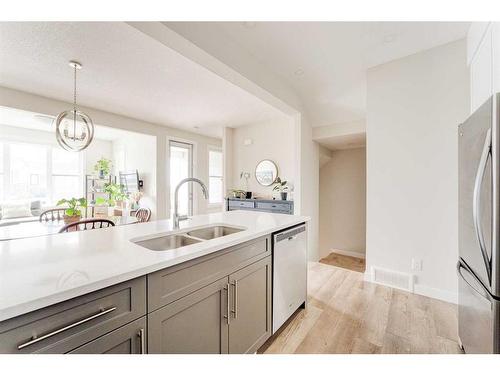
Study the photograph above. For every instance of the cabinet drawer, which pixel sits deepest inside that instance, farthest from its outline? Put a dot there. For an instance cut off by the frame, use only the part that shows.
(129, 339)
(67, 325)
(243, 204)
(170, 284)
(273, 206)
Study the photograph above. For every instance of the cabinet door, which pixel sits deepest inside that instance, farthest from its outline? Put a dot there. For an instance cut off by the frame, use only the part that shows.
(129, 339)
(250, 323)
(195, 323)
(481, 72)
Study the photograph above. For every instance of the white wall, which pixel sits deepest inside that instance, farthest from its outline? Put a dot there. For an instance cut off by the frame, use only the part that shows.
(39, 104)
(98, 149)
(273, 140)
(414, 106)
(307, 158)
(342, 203)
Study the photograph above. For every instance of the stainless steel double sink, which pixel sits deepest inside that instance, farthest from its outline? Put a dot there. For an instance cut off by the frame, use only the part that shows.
(189, 237)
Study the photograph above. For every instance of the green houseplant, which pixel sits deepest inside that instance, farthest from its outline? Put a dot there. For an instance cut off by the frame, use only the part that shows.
(116, 195)
(282, 187)
(73, 211)
(103, 167)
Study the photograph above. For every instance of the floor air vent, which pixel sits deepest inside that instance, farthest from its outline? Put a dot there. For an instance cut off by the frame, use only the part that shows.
(394, 279)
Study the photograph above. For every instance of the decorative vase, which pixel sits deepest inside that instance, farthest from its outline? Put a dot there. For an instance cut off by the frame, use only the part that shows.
(102, 175)
(71, 219)
(248, 195)
(283, 195)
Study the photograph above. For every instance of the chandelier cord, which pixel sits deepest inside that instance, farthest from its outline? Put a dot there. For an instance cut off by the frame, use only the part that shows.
(74, 104)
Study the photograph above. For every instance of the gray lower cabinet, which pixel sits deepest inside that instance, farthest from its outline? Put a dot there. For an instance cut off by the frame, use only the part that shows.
(196, 323)
(129, 339)
(250, 325)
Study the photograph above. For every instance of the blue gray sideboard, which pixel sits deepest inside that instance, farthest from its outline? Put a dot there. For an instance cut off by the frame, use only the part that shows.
(265, 205)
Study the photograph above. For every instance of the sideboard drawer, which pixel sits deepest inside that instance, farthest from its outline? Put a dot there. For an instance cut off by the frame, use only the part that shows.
(65, 326)
(243, 204)
(273, 206)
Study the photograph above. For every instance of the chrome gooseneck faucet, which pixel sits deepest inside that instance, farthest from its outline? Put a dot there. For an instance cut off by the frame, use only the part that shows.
(177, 218)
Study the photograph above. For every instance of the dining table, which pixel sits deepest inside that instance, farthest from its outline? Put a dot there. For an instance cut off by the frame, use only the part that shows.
(44, 228)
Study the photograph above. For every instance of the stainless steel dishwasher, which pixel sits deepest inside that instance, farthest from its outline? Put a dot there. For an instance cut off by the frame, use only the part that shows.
(289, 273)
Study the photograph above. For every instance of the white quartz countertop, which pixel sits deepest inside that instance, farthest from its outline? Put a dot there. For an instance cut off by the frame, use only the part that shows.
(40, 271)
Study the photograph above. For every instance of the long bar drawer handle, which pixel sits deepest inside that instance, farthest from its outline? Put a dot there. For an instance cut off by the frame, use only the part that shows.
(60, 330)
(143, 342)
(235, 302)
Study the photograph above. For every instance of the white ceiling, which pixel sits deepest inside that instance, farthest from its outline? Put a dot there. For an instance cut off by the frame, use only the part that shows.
(124, 72)
(325, 63)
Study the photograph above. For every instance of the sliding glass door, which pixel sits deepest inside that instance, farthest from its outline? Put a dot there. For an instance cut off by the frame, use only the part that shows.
(181, 166)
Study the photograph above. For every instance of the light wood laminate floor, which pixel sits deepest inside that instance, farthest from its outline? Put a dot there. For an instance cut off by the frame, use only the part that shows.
(345, 314)
(344, 261)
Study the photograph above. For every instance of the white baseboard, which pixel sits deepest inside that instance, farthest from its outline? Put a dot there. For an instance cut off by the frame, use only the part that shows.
(354, 254)
(441, 294)
(423, 290)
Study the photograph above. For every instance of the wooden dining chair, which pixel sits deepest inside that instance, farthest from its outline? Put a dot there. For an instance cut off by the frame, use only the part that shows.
(143, 215)
(54, 214)
(87, 224)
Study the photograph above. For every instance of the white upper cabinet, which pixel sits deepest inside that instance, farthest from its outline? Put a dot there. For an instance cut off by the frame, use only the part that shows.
(483, 55)
(495, 43)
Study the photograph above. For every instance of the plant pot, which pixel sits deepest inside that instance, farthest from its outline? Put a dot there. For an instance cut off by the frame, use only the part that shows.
(102, 175)
(71, 219)
(283, 195)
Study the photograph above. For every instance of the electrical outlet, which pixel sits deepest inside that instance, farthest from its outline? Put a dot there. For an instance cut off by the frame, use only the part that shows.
(416, 264)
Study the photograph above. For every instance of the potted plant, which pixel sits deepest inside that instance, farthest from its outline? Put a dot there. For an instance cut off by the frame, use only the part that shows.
(282, 187)
(116, 197)
(103, 167)
(237, 193)
(73, 212)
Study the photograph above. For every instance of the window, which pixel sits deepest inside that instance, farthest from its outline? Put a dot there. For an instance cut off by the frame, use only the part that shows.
(1, 173)
(28, 172)
(215, 167)
(66, 175)
(31, 171)
(181, 167)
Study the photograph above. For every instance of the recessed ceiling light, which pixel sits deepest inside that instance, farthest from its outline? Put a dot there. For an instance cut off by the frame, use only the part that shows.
(299, 72)
(249, 25)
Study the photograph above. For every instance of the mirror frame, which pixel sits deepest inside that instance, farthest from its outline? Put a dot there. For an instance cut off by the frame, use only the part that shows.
(257, 166)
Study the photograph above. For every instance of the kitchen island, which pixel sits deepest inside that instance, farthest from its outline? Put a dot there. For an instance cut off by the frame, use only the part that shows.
(104, 291)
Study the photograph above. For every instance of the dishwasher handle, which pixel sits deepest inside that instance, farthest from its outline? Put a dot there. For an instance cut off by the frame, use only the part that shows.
(289, 234)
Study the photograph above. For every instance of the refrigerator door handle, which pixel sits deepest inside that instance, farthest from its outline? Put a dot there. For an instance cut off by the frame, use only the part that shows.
(476, 211)
(461, 266)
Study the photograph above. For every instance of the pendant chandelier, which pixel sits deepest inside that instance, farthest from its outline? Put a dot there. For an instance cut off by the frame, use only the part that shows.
(74, 129)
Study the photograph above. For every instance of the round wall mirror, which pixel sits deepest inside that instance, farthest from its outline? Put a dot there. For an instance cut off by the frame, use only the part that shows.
(266, 172)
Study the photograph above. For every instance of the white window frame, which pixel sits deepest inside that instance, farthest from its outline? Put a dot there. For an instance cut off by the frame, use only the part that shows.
(215, 149)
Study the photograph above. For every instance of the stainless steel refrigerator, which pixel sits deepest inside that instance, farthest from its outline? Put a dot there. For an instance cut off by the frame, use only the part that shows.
(479, 237)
